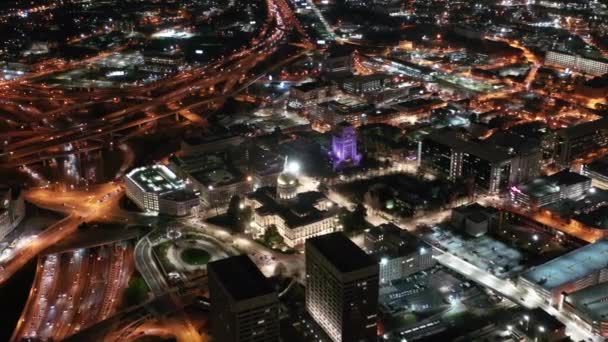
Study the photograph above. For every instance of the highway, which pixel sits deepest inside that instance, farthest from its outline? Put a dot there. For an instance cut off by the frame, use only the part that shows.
(75, 290)
(231, 71)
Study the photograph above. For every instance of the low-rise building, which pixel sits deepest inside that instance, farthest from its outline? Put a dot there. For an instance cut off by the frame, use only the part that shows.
(359, 85)
(310, 94)
(297, 216)
(233, 170)
(334, 112)
(398, 252)
(474, 219)
(217, 186)
(158, 189)
(586, 65)
(12, 210)
(545, 190)
(207, 143)
(581, 268)
(598, 172)
(589, 307)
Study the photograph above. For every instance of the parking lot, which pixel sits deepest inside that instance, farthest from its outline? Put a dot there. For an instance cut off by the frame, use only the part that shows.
(484, 252)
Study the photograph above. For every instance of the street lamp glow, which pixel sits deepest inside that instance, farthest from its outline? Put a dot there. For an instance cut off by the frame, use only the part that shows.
(541, 329)
(293, 167)
(535, 237)
(383, 261)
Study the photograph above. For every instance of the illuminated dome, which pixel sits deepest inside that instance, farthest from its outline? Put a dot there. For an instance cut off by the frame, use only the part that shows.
(287, 182)
(286, 178)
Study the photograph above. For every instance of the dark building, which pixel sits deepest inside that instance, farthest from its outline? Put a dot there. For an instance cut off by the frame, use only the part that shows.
(244, 306)
(598, 172)
(452, 155)
(580, 140)
(399, 252)
(342, 288)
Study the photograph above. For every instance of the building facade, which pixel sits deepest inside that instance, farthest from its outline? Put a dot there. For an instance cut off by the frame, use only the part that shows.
(579, 141)
(589, 308)
(12, 210)
(344, 146)
(398, 252)
(598, 172)
(244, 305)
(579, 269)
(451, 155)
(157, 189)
(546, 190)
(342, 288)
(591, 66)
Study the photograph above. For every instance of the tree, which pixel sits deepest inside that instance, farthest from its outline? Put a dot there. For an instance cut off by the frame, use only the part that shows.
(280, 269)
(359, 214)
(137, 292)
(233, 210)
(244, 217)
(372, 200)
(272, 236)
(355, 220)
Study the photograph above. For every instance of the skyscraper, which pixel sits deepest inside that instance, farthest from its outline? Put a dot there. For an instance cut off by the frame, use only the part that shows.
(244, 306)
(342, 288)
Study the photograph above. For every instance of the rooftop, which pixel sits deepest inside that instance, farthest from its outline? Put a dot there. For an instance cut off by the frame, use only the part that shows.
(346, 107)
(306, 87)
(584, 129)
(545, 185)
(341, 252)
(156, 179)
(454, 140)
(392, 241)
(296, 213)
(240, 277)
(218, 177)
(592, 301)
(570, 267)
(599, 166)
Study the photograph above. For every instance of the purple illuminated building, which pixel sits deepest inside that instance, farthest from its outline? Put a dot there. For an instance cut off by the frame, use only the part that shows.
(344, 146)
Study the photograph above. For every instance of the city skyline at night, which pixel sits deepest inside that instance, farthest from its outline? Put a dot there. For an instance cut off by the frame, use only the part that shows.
(304, 170)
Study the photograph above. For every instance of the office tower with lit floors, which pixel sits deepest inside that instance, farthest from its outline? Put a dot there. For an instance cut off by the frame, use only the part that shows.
(342, 288)
(244, 306)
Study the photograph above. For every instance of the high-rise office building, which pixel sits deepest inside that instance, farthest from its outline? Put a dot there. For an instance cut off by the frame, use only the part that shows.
(342, 288)
(244, 306)
(451, 154)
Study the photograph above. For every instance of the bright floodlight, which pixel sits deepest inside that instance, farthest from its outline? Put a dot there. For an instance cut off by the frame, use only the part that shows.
(535, 237)
(383, 261)
(293, 167)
